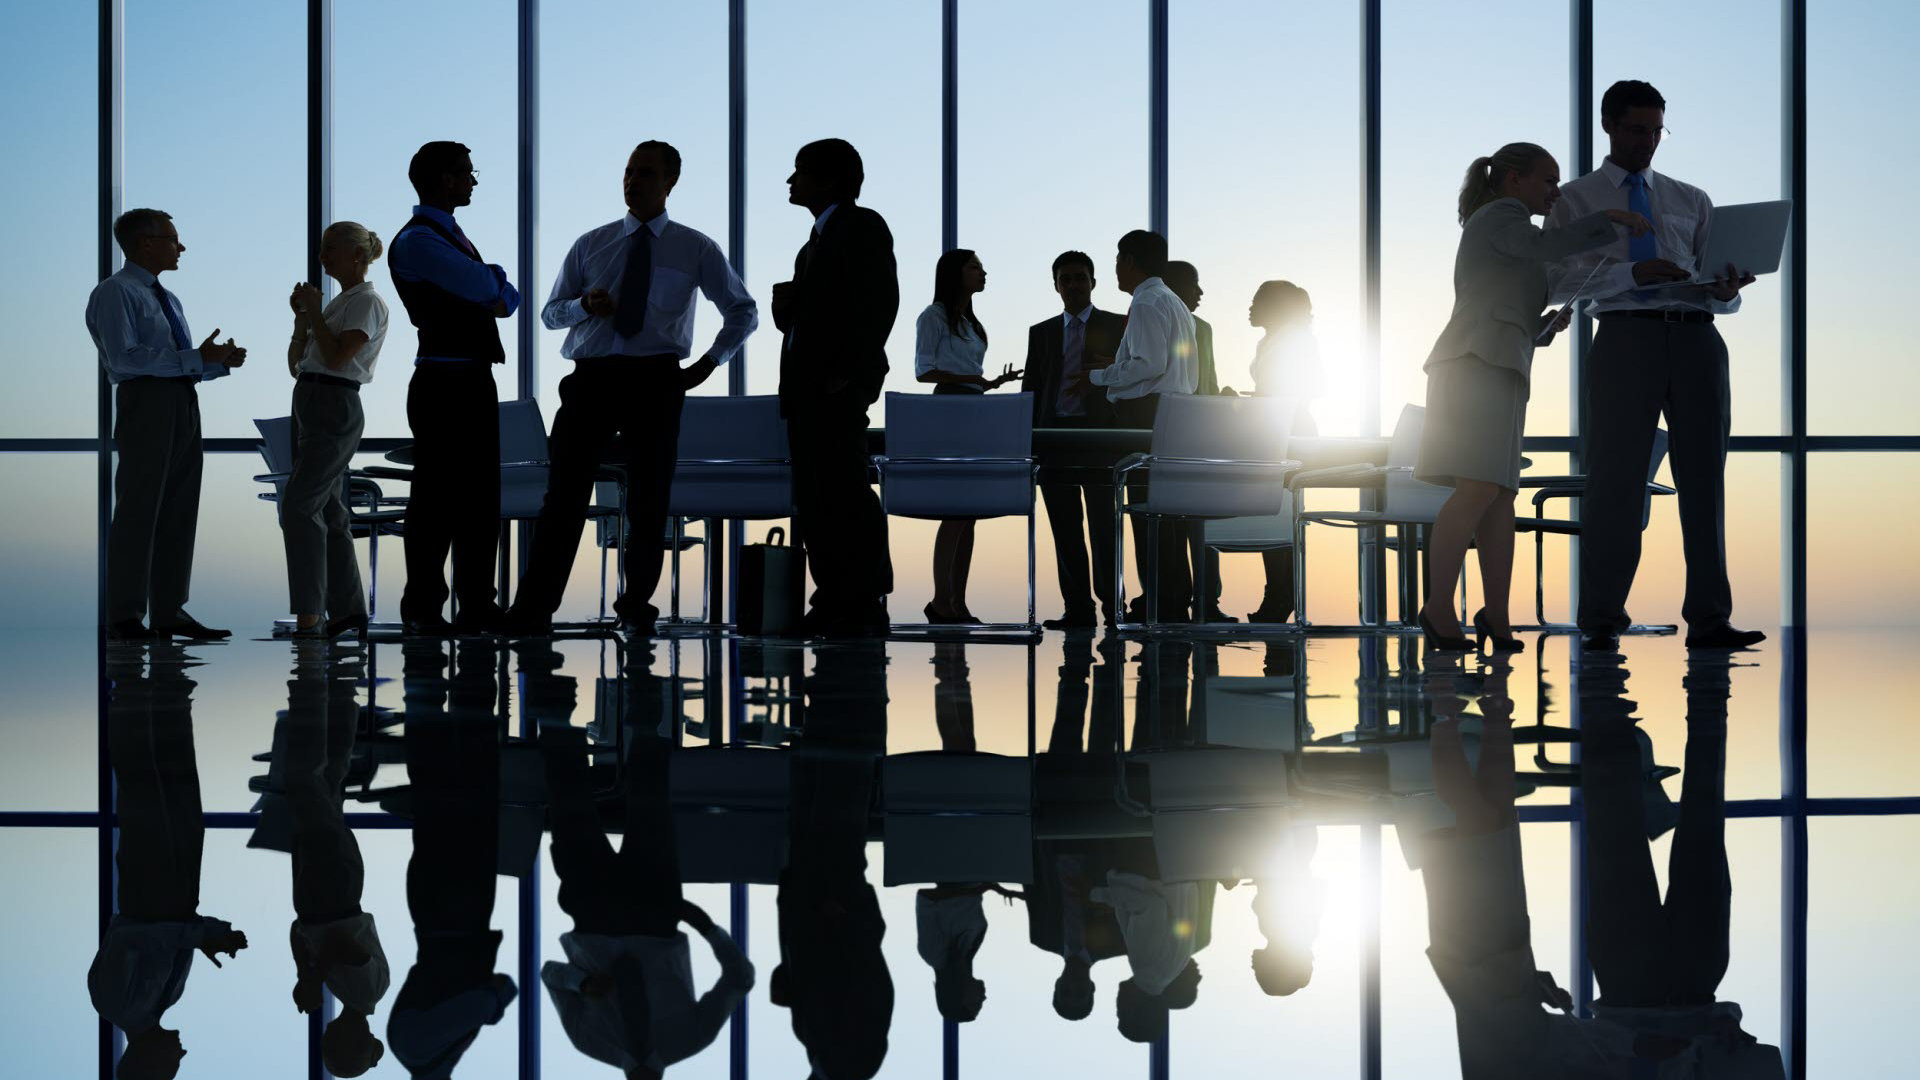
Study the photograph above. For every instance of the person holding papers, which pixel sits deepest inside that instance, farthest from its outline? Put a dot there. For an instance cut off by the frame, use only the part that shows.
(1656, 351)
(1477, 375)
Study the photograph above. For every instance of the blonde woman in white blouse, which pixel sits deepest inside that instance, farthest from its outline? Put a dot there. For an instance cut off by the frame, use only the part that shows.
(950, 351)
(330, 357)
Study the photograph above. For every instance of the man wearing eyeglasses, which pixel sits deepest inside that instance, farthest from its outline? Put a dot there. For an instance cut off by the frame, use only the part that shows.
(455, 299)
(1656, 352)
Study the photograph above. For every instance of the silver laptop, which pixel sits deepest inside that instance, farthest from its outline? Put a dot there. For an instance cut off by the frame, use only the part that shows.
(1747, 236)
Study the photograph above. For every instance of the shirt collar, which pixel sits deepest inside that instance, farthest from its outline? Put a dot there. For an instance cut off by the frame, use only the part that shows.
(435, 214)
(1153, 282)
(820, 222)
(657, 225)
(1618, 176)
(138, 273)
(1082, 315)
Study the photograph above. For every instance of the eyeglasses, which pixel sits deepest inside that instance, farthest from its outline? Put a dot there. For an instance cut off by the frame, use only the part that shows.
(1642, 131)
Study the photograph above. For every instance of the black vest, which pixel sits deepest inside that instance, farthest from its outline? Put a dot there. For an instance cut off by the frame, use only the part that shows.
(449, 326)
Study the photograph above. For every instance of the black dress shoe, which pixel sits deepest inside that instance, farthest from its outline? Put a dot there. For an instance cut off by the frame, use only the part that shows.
(488, 621)
(1603, 641)
(129, 630)
(519, 624)
(1073, 620)
(1725, 637)
(1214, 614)
(641, 621)
(435, 626)
(188, 627)
(349, 624)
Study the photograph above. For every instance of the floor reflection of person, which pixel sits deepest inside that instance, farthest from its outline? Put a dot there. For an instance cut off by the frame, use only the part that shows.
(1288, 902)
(625, 991)
(453, 769)
(141, 968)
(832, 975)
(1659, 961)
(335, 943)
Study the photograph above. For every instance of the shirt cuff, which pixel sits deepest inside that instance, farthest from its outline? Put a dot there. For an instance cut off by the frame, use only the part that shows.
(191, 363)
(1094, 376)
(1620, 279)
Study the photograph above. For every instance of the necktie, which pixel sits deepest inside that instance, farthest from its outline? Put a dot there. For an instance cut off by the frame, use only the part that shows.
(1641, 248)
(471, 250)
(1073, 359)
(636, 281)
(180, 339)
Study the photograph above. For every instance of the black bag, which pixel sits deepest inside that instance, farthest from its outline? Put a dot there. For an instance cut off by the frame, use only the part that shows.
(769, 601)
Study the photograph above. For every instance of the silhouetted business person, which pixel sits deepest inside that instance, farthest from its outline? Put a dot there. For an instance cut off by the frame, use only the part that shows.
(1059, 351)
(1158, 354)
(1479, 371)
(626, 296)
(1184, 279)
(949, 351)
(140, 331)
(456, 300)
(1286, 364)
(1656, 352)
(836, 314)
(330, 357)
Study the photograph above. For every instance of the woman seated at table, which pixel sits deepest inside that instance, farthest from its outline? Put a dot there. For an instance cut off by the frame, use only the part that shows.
(950, 349)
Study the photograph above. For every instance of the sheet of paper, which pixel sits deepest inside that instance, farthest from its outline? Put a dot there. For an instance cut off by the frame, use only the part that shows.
(1579, 294)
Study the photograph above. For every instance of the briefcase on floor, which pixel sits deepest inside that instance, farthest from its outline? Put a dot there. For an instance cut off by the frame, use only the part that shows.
(771, 583)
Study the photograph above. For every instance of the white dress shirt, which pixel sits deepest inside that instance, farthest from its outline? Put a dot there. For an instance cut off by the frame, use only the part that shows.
(683, 260)
(359, 308)
(1159, 353)
(1286, 363)
(142, 967)
(361, 986)
(937, 348)
(948, 929)
(1156, 920)
(130, 330)
(1681, 215)
(680, 1027)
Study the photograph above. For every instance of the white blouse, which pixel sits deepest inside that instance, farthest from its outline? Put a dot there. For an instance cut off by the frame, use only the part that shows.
(937, 348)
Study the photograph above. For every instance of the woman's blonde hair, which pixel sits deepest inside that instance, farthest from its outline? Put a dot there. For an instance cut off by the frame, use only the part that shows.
(1482, 184)
(356, 236)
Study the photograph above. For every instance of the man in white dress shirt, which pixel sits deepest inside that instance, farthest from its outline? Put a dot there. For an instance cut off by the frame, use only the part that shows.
(140, 330)
(626, 297)
(1656, 351)
(1158, 354)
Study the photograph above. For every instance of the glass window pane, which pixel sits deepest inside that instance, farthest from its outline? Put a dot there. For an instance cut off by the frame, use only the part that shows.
(1442, 105)
(588, 128)
(48, 59)
(1262, 188)
(216, 135)
(1860, 944)
(1858, 346)
(1725, 142)
(51, 1026)
(867, 72)
(406, 75)
(1053, 157)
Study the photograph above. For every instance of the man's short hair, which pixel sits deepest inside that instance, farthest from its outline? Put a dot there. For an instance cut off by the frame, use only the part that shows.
(837, 164)
(668, 156)
(135, 225)
(1629, 94)
(1147, 249)
(1178, 274)
(1072, 258)
(431, 162)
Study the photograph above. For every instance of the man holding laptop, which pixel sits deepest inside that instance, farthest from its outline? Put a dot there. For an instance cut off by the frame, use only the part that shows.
(1656, 351)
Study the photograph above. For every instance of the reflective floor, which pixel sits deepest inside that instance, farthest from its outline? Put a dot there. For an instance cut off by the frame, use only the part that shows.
(1332, 856)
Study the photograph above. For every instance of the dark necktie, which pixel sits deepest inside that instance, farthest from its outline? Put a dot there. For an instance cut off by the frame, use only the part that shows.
(1647, 246)
(180, 339)
(1073, 360)
(636, 281)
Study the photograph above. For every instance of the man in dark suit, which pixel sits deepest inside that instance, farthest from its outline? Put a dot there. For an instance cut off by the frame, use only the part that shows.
(1058, 349)
(836, 314)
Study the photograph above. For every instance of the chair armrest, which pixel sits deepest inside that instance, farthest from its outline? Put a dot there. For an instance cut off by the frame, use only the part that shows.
(738, 461)
(1337, 476)
(272, 477)
(1128, 464)
(1552, 481)
(524, 464)
(384, 472)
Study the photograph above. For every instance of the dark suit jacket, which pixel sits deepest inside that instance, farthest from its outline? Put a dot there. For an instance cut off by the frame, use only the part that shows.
(847, 292)
(1045, 340)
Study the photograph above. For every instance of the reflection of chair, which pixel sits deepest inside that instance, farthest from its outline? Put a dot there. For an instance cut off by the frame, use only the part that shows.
(730, 812)
(957, 817)
(1211, 457)
(1572, 487)
(370, 511)
(1407, 505)
(961, 456)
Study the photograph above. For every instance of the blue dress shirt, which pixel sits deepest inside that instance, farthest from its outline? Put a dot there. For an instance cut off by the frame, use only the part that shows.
(423, 255)
(133, 334)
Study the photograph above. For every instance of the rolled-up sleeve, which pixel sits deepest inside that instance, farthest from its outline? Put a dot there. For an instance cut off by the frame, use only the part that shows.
(1144, 350)
(739, 315)
(563, 308)
(928, 332)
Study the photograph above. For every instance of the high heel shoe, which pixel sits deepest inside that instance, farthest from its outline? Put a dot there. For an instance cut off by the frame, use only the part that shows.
(1441, 642)
(938, 619)
(1484, 628)
(348, 624)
